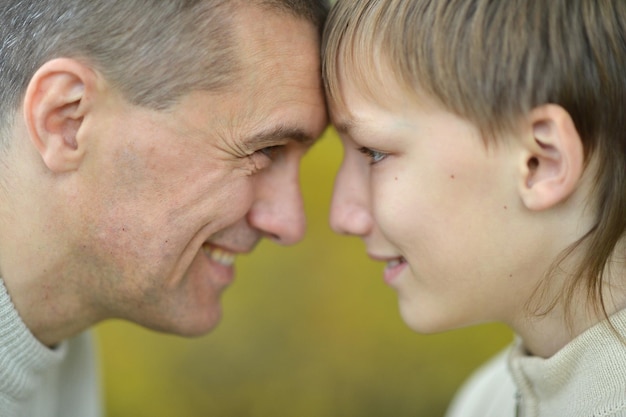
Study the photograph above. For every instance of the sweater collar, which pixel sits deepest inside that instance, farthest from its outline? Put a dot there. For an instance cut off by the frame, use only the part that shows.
(586, 377)
(22, 356)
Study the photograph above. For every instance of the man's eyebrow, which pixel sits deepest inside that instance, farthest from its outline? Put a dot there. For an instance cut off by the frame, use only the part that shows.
(280, 133)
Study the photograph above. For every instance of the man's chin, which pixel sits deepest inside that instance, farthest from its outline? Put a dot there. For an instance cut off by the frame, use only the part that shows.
(191, 326)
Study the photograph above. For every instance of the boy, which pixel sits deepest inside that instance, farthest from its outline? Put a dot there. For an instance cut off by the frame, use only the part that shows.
(493, 182)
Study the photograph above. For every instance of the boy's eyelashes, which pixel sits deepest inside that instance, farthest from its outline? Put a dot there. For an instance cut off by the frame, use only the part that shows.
(373, 155)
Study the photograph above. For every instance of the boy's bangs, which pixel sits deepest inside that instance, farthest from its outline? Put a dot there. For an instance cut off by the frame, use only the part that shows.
(351, 53)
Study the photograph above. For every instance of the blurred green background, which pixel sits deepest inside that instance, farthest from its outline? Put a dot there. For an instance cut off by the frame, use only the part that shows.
(309, 331)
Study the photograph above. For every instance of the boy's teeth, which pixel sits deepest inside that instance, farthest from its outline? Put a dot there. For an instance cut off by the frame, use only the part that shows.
(219, 255)
(395, 262)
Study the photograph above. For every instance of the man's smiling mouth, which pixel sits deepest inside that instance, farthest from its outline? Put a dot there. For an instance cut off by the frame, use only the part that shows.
(219, 255)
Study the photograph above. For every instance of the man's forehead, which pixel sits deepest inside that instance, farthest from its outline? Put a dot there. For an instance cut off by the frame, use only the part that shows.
(280, 93)
(260, 28)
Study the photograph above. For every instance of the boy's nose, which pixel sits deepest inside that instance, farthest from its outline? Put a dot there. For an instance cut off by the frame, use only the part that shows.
(350, 213)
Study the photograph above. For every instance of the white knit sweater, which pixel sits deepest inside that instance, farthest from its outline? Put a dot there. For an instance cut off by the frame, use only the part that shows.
(36, 381)
(587, 378)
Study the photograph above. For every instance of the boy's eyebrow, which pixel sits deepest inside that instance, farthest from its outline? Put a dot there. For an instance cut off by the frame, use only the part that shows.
(353, 125)
(345, 125)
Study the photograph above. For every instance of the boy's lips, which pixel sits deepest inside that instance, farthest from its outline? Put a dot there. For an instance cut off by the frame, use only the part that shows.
(393, 269)
(391, 261)
(395, 262)
(395, 265)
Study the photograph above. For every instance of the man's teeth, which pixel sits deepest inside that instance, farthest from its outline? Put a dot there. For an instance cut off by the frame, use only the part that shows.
(219, 255)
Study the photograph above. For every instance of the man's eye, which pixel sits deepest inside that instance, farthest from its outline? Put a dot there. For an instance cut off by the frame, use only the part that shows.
(374, 156)
(271, 151)
(264, 157)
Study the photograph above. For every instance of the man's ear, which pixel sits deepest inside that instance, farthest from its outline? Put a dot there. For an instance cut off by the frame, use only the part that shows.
(55, 105)
(554, 158)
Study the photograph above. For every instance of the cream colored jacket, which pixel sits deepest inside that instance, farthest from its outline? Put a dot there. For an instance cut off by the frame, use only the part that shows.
(39, 382)
(587, 378)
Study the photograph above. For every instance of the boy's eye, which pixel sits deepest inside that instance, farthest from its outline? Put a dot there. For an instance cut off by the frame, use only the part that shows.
(373, 155)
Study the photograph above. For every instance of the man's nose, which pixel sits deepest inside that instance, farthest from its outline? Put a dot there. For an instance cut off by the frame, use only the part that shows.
(278, 210)
(350, 211)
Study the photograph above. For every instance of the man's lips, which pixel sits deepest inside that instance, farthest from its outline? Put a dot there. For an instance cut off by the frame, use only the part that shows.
(219, 255)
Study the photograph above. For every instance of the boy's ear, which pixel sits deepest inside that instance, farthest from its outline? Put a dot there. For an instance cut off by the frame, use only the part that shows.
(554, 158)
(55, 106)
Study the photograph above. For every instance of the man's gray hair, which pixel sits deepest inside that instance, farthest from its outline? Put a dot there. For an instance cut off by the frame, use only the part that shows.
(152, 51)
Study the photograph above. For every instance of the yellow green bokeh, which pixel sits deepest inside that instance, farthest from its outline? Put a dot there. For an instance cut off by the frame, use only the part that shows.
(308, 331)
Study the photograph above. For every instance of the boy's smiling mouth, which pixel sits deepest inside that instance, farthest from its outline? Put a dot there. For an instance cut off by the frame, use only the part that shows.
(395, 262)
(394, 268)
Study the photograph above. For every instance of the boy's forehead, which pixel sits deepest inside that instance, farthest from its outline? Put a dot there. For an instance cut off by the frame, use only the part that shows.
(356, 86)
(360, 115)
(365, 102)
(347, 107)
(344, 122)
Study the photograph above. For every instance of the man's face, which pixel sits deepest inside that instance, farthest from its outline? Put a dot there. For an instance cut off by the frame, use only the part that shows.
(176, 194)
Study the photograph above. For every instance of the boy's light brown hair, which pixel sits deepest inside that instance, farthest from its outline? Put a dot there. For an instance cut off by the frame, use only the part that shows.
(491, 62)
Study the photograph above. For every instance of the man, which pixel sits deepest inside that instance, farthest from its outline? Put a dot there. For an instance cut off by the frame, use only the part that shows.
(144, 145)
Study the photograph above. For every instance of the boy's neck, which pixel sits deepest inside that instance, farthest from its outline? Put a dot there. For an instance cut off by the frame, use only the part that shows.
(545, 335)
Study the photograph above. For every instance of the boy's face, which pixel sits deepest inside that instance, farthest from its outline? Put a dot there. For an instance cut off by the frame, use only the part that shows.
(424, 192)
